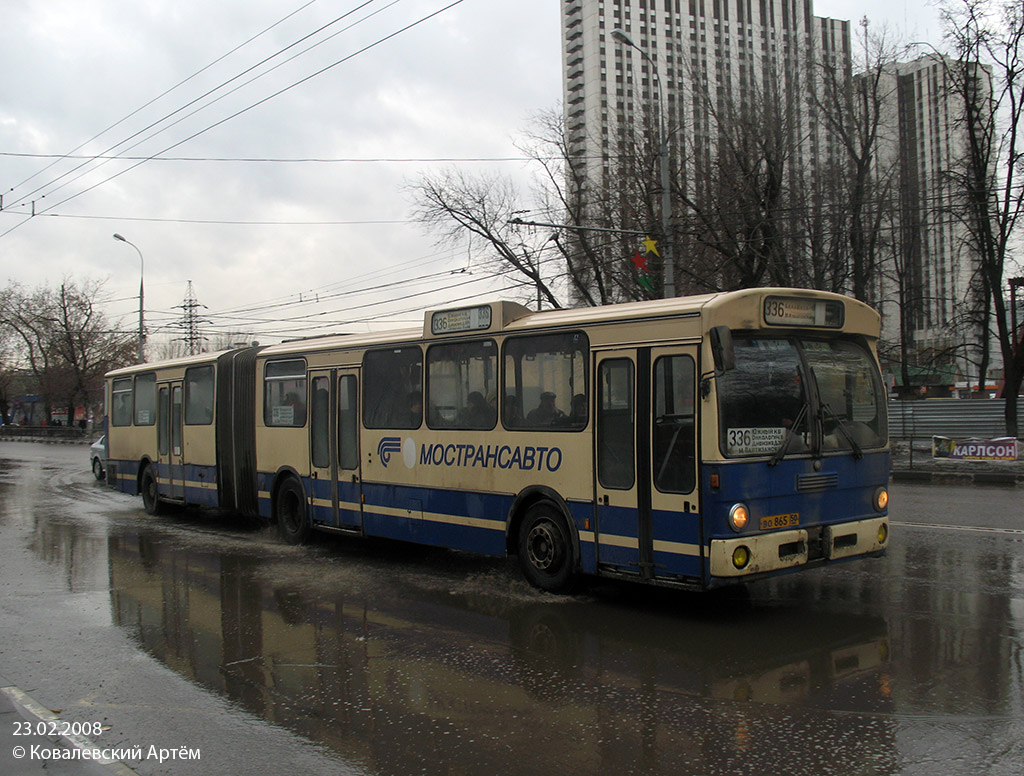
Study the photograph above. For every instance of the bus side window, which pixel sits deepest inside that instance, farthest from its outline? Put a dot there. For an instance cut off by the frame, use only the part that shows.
(393, 388)
(145, 399)
(199, 396)
(545, 382)
(284, 390)
(163, 426)
(121, 402)
(462, 385)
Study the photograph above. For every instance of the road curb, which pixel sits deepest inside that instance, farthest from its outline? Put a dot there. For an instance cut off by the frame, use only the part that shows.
(1006, 479)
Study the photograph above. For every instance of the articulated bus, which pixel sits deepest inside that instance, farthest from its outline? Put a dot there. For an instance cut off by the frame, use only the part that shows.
(690, 442)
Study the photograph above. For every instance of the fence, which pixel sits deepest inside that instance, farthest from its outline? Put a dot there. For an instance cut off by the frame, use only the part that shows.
(50, 433)
(955, 418)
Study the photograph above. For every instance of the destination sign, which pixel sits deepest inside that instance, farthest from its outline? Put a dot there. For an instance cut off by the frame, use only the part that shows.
(792, 311)
(464, 319)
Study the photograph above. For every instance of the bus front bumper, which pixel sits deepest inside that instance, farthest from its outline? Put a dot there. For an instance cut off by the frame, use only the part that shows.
(762, 553)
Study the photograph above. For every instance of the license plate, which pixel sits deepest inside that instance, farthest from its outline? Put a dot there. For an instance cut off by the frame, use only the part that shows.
(780, 521)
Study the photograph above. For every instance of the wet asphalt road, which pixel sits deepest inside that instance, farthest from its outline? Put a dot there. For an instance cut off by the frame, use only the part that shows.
(361, 657)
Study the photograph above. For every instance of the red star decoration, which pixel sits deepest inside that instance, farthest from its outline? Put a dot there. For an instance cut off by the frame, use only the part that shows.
(640, 262)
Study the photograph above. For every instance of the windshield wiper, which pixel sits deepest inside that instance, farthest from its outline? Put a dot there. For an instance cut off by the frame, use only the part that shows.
(844, 429)
(790, 433)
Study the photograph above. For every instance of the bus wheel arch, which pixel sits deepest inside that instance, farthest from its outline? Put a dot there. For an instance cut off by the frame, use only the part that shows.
(290, 510)
(543, 536)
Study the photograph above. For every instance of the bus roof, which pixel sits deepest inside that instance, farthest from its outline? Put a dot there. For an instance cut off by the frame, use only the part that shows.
(202, 358)
(743, 306)
(739, 309)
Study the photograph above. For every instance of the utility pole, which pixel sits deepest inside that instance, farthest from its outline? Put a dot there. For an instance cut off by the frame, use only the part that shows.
(190, 323)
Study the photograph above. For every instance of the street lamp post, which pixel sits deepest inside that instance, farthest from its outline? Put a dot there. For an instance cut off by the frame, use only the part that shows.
(666, 192)
(142, 296)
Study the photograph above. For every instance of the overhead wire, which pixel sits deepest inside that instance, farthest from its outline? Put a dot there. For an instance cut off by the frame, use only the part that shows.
(142, 107)
(122, 120)
(256, 104)
(214, 90)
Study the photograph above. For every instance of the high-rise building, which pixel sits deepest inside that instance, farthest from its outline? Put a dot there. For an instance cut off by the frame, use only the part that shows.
(933, 275)
(696, 66)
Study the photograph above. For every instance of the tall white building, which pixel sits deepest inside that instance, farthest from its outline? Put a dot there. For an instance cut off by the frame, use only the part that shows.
(937, 264)
(718, 58)
(706, 52)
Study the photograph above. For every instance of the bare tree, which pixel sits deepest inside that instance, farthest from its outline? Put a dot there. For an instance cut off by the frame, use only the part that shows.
(66, 342)
(857, 112)
(456, 205)
(7, 373)
(986, 74)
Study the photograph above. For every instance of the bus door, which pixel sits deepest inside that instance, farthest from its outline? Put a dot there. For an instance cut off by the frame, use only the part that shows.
(170, 450)
(646, 462)
(335, 481)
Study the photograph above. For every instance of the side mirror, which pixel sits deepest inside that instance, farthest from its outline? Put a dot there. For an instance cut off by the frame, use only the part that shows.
(722, 349)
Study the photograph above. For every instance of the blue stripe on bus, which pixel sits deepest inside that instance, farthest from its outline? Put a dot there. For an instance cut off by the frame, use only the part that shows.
(475, 522)
(462, 520)
(126, 476)
(200, 482)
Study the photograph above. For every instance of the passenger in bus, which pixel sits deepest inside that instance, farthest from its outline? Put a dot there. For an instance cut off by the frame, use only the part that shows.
(513, 411)
(578, 410)
(478, 413)
(545, 413)
(298, 407)
(413, 416)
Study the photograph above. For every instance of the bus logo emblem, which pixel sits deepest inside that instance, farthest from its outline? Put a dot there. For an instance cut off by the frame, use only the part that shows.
(387, 446)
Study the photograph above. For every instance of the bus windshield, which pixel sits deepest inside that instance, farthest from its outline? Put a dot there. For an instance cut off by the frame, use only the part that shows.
(770, 406)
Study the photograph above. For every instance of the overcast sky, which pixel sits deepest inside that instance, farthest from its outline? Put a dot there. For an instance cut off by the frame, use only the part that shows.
(253, 234)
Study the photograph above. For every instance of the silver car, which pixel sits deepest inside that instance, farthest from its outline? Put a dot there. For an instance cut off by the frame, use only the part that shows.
(98, 456)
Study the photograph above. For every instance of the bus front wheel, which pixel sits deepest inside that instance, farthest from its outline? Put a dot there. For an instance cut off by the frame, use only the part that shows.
(291, 513)
(545, 549)
(150, 493)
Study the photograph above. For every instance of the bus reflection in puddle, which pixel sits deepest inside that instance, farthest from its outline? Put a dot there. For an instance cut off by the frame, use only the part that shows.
(394, 676)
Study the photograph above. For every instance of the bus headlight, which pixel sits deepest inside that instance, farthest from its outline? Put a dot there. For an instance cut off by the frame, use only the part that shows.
(881, 499)
(738, 517)
(883, 533)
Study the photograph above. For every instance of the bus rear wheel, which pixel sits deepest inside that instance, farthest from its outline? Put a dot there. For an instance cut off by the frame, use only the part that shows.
(545, 549)
(290, 512)
(150, 493)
